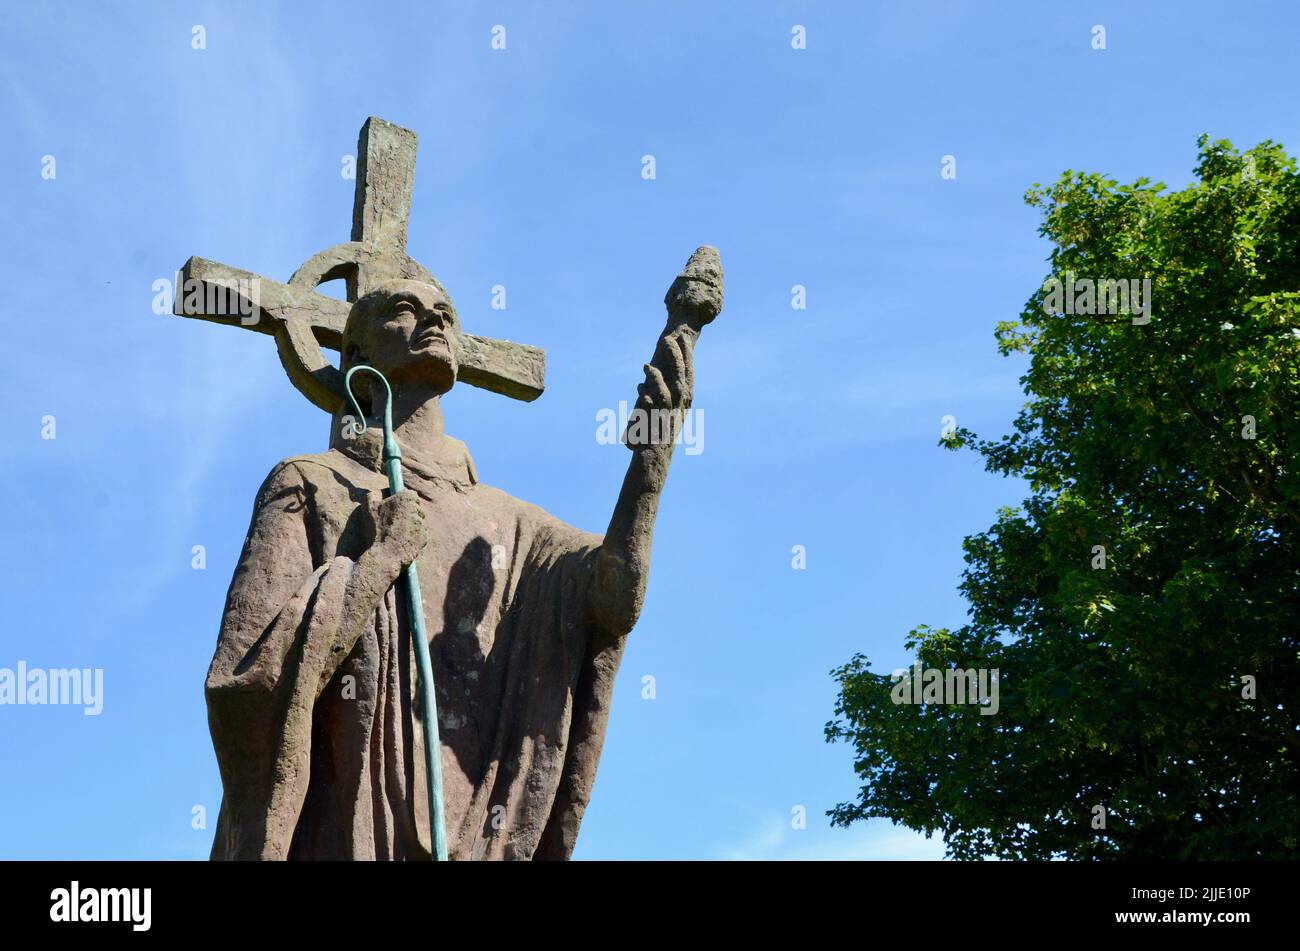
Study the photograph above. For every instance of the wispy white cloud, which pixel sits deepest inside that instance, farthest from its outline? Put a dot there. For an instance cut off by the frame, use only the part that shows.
(774, 839)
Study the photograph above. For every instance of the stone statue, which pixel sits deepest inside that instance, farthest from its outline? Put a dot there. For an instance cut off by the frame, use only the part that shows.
(311, 692)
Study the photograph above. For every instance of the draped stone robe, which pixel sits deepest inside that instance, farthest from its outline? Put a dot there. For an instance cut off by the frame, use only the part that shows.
(321, 755)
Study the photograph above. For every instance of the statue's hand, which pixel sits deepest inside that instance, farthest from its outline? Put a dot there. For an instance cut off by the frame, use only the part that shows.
(664, 396)
(401, 526)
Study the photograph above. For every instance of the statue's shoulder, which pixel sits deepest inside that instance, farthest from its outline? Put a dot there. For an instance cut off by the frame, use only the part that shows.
(458, 454)
(327, 470)
(538, 521)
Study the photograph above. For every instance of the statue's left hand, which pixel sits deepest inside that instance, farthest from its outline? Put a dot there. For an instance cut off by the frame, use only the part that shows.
(669, 387)
(670, 376)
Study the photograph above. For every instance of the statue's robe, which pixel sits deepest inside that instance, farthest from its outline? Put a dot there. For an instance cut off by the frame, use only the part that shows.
(322, 755)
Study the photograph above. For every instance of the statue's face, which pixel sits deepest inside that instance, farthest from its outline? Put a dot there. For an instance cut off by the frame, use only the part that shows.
(411, 335)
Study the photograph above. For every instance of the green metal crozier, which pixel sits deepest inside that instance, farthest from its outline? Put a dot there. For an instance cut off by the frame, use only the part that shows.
(415, 605)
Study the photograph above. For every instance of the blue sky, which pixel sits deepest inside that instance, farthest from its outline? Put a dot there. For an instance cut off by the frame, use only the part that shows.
(818, 167)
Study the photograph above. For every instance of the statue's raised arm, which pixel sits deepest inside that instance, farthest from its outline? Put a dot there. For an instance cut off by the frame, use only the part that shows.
(623, 562)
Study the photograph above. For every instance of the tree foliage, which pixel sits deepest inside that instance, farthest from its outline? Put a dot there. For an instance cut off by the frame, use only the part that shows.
(1122, 687)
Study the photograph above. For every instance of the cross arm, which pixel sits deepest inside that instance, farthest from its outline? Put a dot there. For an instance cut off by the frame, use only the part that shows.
(303, 321)
(226, 295)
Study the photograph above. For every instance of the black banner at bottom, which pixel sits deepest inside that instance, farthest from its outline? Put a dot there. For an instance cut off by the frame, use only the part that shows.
(938, 900)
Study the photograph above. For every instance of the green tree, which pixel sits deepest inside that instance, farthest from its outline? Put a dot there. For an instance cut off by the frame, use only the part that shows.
(1122, 686)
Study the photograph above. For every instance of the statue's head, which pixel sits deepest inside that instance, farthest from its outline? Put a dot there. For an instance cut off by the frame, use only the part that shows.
(408, 331)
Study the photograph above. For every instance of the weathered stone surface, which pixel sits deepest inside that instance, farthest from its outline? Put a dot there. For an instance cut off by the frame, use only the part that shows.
(312, 691)
(311, 694)
(385, 177)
